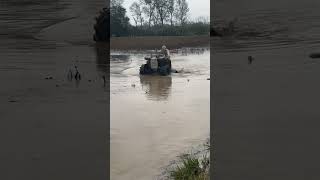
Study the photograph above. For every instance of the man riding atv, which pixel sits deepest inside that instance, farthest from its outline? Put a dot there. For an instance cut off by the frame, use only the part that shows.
(165, 52)
(160, 64)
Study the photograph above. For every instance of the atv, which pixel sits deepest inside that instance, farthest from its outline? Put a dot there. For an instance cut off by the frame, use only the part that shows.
(156, 65)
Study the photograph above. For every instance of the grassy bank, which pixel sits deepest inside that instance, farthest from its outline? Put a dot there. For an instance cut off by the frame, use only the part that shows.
(155, 42)
(192, 166)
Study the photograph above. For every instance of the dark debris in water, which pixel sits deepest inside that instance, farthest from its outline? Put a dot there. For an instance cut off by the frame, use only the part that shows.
(12, 99)
(250, 59)
(48, 78)
(314, 55)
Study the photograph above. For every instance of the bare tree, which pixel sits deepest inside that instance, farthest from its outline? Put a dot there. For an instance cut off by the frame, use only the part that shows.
(148, 9)
(155, 18)
(116, 3)
(182, 11)
(135, 20)
(171, 9)
(162, 9)
(136, 10)
(202, 19)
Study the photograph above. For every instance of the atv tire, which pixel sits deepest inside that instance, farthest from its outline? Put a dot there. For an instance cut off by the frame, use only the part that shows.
(144, 69)
(164, 70)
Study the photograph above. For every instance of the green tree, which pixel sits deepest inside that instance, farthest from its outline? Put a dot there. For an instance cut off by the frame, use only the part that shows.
(119, 21)
(102, 26)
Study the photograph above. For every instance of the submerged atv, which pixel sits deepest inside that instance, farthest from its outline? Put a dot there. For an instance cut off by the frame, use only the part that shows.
(156, 65)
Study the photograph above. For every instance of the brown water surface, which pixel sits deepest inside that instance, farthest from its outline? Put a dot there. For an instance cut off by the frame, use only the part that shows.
(50, 128)
(266, 114)
(156, 118)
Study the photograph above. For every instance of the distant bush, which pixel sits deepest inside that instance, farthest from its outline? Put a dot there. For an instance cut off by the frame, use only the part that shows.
(102, 27)
(188, 29)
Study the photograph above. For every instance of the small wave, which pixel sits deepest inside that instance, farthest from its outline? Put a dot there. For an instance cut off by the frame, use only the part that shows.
(270, 29)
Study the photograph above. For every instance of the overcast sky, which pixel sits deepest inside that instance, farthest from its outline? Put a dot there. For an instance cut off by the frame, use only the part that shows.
(197, 8)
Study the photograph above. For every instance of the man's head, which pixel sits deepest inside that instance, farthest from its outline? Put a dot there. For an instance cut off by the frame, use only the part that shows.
(164, 47)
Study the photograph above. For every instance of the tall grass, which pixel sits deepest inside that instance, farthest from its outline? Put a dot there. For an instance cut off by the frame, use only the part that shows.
(192, 167)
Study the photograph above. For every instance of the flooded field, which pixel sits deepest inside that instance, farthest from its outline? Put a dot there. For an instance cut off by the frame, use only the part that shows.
(156, 118)
(51, 128)
(264, 25)
(266, 113)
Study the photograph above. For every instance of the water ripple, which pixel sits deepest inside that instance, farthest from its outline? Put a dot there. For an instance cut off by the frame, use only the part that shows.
(270, 29)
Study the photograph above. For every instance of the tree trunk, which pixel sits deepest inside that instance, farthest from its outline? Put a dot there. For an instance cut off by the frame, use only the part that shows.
(136, 23)
(161, 19)
(150, 16)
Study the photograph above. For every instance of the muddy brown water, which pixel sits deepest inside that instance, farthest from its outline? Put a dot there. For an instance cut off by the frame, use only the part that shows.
(51, 129)
(156, 118)
(266, 114)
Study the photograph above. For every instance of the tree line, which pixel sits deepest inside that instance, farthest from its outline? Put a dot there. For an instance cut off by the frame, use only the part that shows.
(154, 18)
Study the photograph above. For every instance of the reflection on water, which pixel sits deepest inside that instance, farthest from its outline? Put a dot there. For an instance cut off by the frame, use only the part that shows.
(102, 58)
(156, 87)
(259, 27)
(118, 58)
(22, 19)
(261, 107)
(50, 129)
(190, 51)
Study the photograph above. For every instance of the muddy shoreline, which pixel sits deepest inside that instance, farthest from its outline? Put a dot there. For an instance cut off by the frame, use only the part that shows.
(152, 42)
